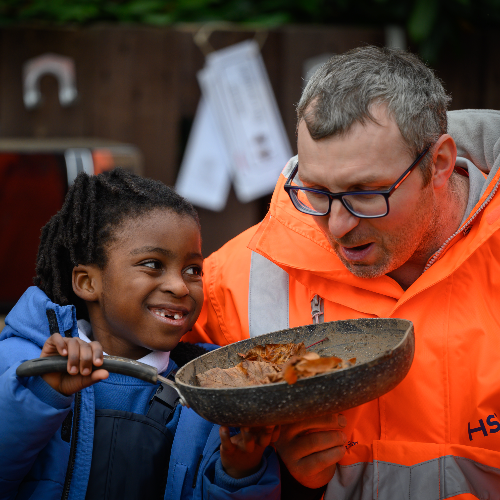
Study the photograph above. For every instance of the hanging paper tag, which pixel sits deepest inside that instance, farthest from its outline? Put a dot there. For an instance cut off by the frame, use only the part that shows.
(236, 84)
(204, 177)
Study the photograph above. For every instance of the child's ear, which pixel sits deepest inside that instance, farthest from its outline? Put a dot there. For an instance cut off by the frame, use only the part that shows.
(86, 281)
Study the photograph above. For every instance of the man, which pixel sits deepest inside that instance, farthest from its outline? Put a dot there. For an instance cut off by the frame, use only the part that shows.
(378, 217)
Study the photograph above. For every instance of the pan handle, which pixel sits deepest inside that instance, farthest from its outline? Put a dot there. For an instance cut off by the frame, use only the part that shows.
(114, 364)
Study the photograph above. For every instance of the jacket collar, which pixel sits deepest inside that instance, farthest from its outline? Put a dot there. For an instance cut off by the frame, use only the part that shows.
(28, 318)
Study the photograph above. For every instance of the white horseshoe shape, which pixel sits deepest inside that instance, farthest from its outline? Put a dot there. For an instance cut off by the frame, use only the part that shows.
(63, 68)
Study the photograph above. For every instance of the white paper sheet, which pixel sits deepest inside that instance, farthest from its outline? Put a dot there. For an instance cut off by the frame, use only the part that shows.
(205, 177)
(236, 83)
(238, 133)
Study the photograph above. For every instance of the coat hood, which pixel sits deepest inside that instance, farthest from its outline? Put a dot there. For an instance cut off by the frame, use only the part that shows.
(477, 135)
(28, 318)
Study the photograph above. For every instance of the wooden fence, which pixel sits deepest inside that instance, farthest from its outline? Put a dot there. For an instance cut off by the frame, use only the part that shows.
(138, 85)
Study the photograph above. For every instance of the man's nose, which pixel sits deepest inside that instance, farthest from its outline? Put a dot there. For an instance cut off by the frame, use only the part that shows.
(340, 220)
(173, 282)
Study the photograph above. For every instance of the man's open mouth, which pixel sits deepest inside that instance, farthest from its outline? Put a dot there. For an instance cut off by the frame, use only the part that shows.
(360, 247)
(357, 253)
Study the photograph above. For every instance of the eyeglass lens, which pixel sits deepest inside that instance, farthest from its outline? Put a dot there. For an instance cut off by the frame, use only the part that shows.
(370, 205)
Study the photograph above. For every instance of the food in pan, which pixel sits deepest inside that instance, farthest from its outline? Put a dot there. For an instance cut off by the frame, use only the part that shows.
(272, 363)
(275, 353)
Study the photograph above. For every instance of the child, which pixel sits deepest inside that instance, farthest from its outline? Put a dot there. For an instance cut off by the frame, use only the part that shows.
(119, 270)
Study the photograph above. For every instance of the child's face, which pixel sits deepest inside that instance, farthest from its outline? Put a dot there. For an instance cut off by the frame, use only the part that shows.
(151, 290)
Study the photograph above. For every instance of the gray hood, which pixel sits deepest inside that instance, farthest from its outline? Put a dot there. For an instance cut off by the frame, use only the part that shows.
(477, 134)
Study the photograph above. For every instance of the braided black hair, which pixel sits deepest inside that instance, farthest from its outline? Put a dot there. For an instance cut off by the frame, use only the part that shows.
(80, 232)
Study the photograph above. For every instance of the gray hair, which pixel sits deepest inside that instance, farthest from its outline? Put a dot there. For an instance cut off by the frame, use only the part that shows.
(343, 90)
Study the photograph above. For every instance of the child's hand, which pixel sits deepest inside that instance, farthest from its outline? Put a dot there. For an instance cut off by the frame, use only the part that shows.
(81, 356)
(241, 454)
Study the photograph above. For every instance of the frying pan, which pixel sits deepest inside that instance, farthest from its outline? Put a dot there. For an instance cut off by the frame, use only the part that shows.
(383, 348)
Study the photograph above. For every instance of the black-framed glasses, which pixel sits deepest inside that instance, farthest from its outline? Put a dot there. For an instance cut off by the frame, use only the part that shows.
(362, 204)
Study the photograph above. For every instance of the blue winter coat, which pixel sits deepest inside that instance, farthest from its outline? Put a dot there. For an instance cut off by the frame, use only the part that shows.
(34, 455)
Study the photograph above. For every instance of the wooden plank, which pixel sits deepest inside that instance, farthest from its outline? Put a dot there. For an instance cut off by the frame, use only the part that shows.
(461, 67)
(490, 49)
(135, 89)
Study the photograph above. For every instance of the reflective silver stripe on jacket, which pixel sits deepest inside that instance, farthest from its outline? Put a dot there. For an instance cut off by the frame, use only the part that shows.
(290, 166)
(268, 290)
(267, 297)
(436, 479)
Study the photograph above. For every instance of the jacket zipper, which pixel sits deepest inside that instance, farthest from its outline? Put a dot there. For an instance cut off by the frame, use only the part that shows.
(72, 450)
(464, 229)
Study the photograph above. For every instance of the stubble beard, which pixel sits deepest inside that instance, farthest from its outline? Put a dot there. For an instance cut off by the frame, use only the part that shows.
(414, 242)
(361, 270)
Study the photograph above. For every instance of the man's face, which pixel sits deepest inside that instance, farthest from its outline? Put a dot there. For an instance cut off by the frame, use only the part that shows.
(371, 157)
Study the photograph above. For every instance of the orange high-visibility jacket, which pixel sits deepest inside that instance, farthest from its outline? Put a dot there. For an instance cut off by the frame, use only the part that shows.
(437, 434)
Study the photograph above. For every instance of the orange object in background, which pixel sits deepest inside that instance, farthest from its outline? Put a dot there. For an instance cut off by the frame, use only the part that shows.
(103, 160)
(34, 178)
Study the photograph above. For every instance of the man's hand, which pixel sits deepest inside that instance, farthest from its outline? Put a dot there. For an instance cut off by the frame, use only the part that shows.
(241, 455)
(81, 357)
(311, 448)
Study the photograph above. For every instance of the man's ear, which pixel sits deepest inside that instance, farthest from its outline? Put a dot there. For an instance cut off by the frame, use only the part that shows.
(86, 280)
(444, 158)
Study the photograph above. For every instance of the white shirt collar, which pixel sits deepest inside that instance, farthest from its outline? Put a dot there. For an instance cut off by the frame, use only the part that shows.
(156, 359)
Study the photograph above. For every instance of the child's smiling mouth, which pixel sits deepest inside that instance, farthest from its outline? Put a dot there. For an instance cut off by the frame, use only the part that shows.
(176, 315)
